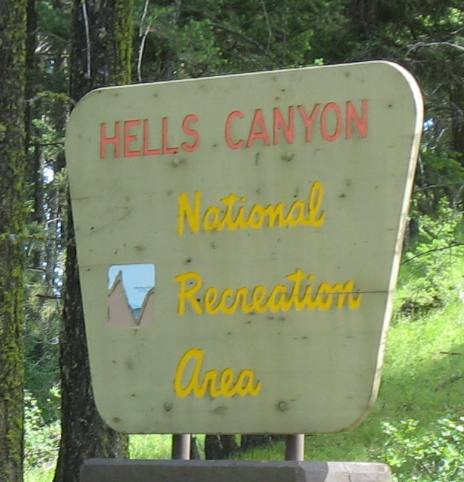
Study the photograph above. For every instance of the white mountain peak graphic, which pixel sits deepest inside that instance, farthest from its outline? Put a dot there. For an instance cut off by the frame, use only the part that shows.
(120, 313)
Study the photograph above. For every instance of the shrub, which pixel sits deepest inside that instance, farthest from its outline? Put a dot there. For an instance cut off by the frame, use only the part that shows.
(433, 456)
(41, 439)
(430, 272)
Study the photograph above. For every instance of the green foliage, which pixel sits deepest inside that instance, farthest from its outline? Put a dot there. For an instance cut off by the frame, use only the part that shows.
(274, 451)
(431, 275)
(150, 446)
(155, 446)
(43, 303)
(440, 177)
(435, 455)
(39, 474)
(205, 37)
(424, 364)
(49, 105)
(41, 439)
(423, 380)
(53, 35)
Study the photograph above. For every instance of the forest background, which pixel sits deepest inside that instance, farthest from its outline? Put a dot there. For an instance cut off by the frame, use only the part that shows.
(53, 51)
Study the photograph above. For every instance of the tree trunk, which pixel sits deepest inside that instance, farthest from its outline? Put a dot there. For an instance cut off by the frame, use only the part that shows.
(12, 235)
(100, 55)
(457, 103)
(218, 447)
(257, 440)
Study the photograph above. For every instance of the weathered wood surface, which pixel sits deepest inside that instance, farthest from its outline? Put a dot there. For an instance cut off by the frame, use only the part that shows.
(272, 320)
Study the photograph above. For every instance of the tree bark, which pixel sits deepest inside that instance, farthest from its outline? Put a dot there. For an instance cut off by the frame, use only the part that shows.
(219, 447)
(457, 105)
(12, 235)
(100, 56)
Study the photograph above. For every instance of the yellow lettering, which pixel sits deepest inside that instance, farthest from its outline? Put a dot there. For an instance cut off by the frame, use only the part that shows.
(233, 215)
(224, 307)
(211, 219)
(209, 382)
(275, 213)
(296, 214)
(324, 296)
(278, 300)
(227, 382)
(256, 218)
(186, 212)
(297, 278)
(211, 296)
(302, 294)
(228, 221)
(240, 222)
(242, 294)
(245, 384)
(257, 299)
(196, 355)
(189, 285)
(316, 196)
(354, 300)
(214, 383)
(310, 302)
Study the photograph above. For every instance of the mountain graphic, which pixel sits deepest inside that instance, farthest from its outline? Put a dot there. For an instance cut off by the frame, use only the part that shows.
(120, 313)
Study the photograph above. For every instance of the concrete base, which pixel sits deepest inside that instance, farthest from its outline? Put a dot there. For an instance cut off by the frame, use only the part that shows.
(114, 470)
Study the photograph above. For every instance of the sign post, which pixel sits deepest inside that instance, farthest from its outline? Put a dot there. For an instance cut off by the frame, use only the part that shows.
(181, 446)
(238, 242)
(294, 447)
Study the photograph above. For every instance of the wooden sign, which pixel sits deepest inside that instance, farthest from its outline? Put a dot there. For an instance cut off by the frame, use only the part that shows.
(238, 242)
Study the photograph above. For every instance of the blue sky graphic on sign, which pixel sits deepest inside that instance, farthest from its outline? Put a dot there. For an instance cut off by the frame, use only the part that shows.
(138, 280)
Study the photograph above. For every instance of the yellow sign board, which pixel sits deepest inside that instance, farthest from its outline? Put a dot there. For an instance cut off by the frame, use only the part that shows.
(238, 242)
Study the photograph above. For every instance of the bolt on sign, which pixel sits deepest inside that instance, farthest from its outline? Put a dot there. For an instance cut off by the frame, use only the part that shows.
(238, 241)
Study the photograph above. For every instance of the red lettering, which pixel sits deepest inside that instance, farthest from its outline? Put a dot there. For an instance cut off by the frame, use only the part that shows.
(280, 123)
(148, 151)
(165, 149)
(309, 120)
(361, 121)
(114, 140)
(129, 138)
(331, 106)
(228, 128)
(258, 130)
(190, 132)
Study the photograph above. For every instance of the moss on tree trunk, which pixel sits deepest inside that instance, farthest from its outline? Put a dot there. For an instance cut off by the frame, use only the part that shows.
(12, 225)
